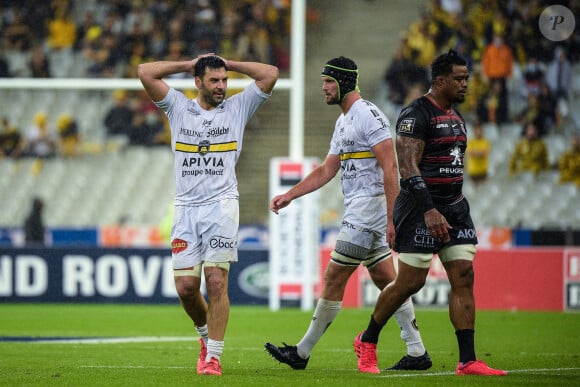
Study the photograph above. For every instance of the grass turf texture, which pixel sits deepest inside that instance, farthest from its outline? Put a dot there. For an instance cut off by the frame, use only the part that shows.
(540, 348)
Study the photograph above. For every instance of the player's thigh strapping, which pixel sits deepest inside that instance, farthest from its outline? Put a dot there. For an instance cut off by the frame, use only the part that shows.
(362, 235)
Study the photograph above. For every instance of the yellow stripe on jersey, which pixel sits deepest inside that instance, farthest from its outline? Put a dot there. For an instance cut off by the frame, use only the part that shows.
(192, 148)
(357, 155)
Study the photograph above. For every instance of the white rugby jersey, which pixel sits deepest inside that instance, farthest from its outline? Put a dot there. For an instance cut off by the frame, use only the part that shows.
(355, 133)
(207, 143)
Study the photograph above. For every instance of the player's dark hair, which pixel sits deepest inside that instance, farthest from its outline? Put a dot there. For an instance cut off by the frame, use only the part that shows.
(443, 64)
(211, 62)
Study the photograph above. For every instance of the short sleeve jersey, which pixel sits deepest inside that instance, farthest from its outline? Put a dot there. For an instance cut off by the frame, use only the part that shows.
(445, 139)
(355, 133)
(207, 144)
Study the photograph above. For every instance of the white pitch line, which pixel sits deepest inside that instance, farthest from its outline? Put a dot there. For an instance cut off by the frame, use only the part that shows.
(384, 375)
(116, 340)
(447, 373)
(135, 367)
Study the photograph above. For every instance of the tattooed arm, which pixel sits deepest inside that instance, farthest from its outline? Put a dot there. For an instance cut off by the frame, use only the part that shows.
(409, 154)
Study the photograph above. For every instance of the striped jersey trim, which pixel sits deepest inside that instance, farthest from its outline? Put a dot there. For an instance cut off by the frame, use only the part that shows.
(193, 148)
(357, 155)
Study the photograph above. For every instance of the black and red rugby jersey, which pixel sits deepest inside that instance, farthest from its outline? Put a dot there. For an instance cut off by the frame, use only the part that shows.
(445, 139)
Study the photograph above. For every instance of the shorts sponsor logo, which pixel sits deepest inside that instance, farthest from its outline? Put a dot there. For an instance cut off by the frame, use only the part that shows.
(466, 233)
(178, 245)
(422, 238)
(223, 243)
(353, 227)
(407, 125)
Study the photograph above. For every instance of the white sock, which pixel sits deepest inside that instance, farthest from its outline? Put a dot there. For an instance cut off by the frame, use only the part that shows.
(202, 332)
(214, 349)
(405, 317)
(323, 316)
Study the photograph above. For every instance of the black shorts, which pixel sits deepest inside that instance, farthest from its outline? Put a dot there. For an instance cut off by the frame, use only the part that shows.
(412, 235)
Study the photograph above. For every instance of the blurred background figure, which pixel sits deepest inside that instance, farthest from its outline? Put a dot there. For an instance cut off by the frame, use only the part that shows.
(559, 74)
(39, 63)
(34, 224)
(569, 163)
(497, 64)
(68, 133)
(559, 80)
(534, 112)
(488, 110)
(40, 142)
(478, 150)
(533, 76)
(145, 128)
(11, 141)
(62, 35)
(118, 119)
(531, 153)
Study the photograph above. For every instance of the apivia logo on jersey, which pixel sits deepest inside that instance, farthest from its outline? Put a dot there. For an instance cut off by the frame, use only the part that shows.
(210, 165)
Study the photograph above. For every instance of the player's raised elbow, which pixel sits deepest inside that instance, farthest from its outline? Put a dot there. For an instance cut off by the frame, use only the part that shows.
(268, 79)
(142, 71)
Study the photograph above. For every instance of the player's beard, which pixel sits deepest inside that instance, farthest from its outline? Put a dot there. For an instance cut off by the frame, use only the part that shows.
(333, 100)
(459, 98)
(211, 98)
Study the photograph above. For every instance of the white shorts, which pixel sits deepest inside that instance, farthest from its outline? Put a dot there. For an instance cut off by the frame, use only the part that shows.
(362, 234)
(205, 233)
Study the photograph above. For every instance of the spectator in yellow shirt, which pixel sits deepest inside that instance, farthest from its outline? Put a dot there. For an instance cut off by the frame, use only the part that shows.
(531, 153)
(478, 150)
(569, 163)
(62, 35)
(62, 30)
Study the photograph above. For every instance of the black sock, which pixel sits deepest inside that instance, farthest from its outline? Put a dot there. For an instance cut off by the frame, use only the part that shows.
(466, 345)
(371, 335)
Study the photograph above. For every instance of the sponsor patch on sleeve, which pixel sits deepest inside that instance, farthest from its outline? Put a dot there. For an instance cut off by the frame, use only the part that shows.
(406, 125)
(178, 245)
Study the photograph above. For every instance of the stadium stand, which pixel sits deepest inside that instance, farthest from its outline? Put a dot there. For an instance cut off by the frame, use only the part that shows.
(103, 186)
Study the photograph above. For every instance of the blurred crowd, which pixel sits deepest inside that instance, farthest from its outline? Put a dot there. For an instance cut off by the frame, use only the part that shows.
(108, 39)
(113, 36)
(513, 67)
(517, 75)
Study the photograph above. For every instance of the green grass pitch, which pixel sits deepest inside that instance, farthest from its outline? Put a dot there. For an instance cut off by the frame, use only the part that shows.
(536, 348)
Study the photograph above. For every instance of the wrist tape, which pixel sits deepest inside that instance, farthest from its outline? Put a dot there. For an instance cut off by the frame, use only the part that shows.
(417, 187)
